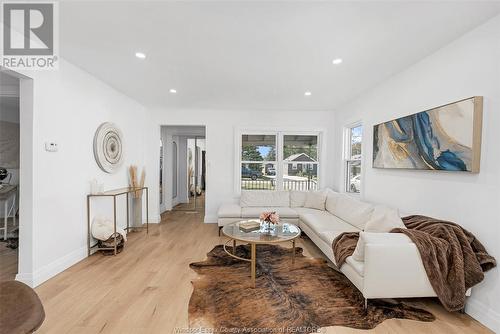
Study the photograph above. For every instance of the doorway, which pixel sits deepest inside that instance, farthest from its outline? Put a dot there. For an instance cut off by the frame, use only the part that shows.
(9, 175)
(195, 167)
(183, 168)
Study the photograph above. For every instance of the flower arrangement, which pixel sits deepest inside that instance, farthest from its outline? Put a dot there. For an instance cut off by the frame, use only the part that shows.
(270, 217)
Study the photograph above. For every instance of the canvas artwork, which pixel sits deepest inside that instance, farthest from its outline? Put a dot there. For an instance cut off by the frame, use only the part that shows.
(444, 138)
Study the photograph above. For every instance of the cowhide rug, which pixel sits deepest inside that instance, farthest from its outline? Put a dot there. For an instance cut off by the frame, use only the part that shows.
(301, 297)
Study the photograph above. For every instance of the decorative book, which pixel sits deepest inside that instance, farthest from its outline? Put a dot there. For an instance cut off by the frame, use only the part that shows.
(249, 226)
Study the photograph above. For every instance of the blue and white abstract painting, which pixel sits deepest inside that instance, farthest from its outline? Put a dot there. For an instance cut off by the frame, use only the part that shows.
(444, 138)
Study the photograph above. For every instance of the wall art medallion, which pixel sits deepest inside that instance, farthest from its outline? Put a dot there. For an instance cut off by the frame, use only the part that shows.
(108, 147)
(446, 138)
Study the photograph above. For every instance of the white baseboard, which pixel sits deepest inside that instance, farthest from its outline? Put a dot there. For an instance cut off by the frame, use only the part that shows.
(485, 315)
(210, 219)
(52, 269)
(152, 220)
(25, 278)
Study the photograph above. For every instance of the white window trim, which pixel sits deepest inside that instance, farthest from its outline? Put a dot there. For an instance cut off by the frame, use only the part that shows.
(346, 155)
(280, 133)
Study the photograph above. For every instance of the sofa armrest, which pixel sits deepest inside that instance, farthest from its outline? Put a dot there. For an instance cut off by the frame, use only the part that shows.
(393, 268)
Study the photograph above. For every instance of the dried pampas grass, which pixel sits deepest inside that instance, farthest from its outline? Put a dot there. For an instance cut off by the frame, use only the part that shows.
(135, 182)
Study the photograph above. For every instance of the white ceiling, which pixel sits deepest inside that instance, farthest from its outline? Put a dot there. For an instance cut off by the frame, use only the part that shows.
(257, 55)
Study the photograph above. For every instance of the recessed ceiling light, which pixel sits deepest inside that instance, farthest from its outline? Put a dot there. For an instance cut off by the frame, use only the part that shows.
(307, 93)
(337, 61)
(173, 91)
(140, 55)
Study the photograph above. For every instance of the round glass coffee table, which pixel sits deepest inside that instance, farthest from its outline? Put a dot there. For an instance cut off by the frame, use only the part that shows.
(282, 232)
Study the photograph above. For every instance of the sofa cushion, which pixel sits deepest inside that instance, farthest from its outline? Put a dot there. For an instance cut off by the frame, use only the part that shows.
(331, 200)
(315, 200)
(265, 198)
(254, 212)
(329, 236)
(303, 211)
(229, 211)
(322, 221)
(353, 211)
(297, 198)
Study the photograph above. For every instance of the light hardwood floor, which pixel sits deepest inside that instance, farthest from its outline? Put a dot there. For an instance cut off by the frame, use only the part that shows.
(146, 289)
(8, 262)
(8, 256)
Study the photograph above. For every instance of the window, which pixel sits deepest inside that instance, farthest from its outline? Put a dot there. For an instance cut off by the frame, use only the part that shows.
(278, 160)
(300, 162)
(258, 162)
(352, 158)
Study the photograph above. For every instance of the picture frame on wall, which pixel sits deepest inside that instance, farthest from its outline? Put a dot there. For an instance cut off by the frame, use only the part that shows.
(445, 138)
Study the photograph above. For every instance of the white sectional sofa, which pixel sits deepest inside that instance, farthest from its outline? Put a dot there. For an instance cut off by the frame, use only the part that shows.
(392, 267)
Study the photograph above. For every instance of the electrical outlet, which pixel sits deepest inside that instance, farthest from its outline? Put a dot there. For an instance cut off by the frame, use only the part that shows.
(51, 147)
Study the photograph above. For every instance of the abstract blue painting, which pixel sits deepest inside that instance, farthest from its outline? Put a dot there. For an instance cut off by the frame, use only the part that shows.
(444, 138)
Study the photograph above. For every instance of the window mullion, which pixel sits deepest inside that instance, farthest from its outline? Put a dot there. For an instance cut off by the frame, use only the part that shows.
(279, 160)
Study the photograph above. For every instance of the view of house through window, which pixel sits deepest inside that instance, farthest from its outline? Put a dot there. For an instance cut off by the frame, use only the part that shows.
(353, 159)
(265, 165)
(300, 162)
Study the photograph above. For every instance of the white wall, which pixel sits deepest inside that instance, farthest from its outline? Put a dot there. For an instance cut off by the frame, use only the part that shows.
(219, 142)
(68, 105)
(467, 67)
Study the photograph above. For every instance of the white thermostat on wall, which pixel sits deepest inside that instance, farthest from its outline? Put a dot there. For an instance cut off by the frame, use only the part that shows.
(51, 147)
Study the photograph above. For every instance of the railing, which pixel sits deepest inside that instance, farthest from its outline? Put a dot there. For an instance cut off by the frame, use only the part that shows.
(270, 184)
(303, 185)
(259, 184)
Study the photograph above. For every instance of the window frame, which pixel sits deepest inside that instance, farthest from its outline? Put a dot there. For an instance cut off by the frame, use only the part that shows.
(279, 163)
(347, 159)
(261, 162)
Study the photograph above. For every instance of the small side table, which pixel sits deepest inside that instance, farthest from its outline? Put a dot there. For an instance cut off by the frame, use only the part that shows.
(114, 194)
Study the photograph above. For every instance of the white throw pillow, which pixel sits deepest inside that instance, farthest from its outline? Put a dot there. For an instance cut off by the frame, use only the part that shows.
(331, 201)
(264, 198)
(315, 200)
(383, 220)
(297, 198)
(353, 211)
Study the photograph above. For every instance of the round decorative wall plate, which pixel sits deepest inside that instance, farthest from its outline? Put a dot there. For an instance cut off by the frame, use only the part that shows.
(108, 149)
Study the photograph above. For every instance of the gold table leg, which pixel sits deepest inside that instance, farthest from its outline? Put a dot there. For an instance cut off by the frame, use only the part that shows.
(234, 246)
(253, 263)
(293, 251)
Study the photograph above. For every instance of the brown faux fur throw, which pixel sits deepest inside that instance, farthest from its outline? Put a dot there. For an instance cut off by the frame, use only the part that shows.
(453, 258)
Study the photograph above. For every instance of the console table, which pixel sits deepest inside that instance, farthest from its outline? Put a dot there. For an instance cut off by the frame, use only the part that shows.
(114, 194)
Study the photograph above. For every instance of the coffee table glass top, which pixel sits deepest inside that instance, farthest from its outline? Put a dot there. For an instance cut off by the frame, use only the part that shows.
(281, 232)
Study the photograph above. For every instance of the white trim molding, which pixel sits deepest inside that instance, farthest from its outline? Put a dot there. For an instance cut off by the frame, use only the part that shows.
(52, 269)
(484, 314)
